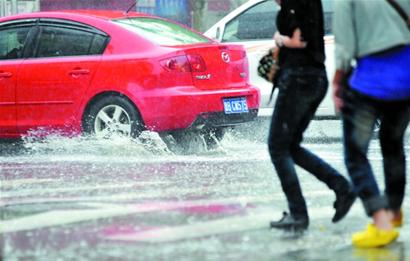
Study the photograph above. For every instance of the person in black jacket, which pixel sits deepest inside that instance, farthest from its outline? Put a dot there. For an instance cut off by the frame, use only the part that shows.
(302, 84)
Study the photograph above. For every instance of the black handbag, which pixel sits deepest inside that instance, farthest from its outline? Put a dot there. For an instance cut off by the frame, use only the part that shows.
(268, 65)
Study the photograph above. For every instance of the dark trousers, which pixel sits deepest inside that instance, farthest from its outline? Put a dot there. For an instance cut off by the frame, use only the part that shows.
(300, 92)
(359, 116)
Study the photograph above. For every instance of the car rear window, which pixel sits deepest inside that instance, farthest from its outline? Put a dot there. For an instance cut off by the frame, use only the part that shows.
(161, 31)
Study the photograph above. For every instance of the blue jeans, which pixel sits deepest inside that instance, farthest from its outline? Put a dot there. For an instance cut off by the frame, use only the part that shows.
(300, 92)
(360, 113)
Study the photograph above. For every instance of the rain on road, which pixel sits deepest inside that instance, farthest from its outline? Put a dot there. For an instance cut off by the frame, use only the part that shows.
(81, 199)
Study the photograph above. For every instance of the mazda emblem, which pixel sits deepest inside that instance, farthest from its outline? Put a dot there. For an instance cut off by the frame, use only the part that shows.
(225, 57)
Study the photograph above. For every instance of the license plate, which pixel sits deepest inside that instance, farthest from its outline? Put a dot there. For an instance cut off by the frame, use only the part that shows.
(235, 105)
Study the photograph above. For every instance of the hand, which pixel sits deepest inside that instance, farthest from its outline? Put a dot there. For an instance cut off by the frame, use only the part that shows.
(296, 41)
(337, 99)
(290, 42)
(337, 90)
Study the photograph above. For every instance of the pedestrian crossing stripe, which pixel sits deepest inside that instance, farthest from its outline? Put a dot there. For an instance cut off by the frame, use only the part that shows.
(101, 210)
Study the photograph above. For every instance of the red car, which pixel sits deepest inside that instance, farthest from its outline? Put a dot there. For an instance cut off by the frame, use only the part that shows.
(105, 72)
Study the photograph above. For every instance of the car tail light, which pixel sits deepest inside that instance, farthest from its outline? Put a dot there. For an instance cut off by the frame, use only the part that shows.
(178, 64)
(197, 63)
(190, 63)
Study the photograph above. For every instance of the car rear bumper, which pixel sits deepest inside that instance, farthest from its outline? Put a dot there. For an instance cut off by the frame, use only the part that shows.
(220, 119)
(185, 107)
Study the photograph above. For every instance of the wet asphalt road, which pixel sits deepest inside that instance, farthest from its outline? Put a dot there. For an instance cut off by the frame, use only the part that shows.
(79, 199)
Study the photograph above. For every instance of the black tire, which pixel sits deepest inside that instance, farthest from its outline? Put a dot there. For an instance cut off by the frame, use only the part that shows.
(123, 118)
(213, 136)
(189, 141)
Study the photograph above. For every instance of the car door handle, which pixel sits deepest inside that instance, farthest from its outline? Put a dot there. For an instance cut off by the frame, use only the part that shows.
(5, 74)
(77, 72)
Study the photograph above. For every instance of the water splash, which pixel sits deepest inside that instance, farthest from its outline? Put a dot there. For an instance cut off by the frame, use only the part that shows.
(44, 145)
(147, 144)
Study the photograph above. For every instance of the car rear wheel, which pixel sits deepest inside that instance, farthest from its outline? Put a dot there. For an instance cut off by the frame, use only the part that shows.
(112, 116)
(189, 142)
(213, 136)
(196, 141)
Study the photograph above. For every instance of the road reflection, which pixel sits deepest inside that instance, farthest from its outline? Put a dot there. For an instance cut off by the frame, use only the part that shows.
(81, 199)
(395, 252)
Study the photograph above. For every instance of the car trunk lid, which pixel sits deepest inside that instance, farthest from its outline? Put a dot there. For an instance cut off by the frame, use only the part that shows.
(218, 66)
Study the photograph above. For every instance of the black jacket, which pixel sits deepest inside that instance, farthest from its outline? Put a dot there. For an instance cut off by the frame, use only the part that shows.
(308, 16)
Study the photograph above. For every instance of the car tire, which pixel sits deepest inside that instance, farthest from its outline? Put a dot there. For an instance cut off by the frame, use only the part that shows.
(112, 116)
(189, 142)
(213, 136)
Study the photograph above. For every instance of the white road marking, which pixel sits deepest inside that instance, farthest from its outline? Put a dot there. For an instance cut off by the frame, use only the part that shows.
(58, 218)
(149, 194)
(255, 219)
(213, 227)
(22, 167)
(137, 195)
(98, 201)
(18, 182)
(258, 219)
(34, 191)
(63, 217)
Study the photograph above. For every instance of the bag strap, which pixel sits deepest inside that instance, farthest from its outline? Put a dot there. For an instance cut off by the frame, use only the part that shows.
(401, 12)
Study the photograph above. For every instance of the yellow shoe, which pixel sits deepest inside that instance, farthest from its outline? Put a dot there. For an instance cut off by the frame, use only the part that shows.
(399, 221)
(374, 237)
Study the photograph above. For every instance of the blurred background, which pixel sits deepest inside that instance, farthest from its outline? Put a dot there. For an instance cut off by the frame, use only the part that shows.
(198, 14)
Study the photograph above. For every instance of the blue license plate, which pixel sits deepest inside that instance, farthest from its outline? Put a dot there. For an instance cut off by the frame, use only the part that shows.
(235, 105)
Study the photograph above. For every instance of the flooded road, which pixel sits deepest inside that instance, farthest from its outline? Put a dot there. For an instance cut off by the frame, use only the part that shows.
(82, 199)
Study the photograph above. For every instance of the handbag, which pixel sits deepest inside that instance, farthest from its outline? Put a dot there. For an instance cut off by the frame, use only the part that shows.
(268, 65)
